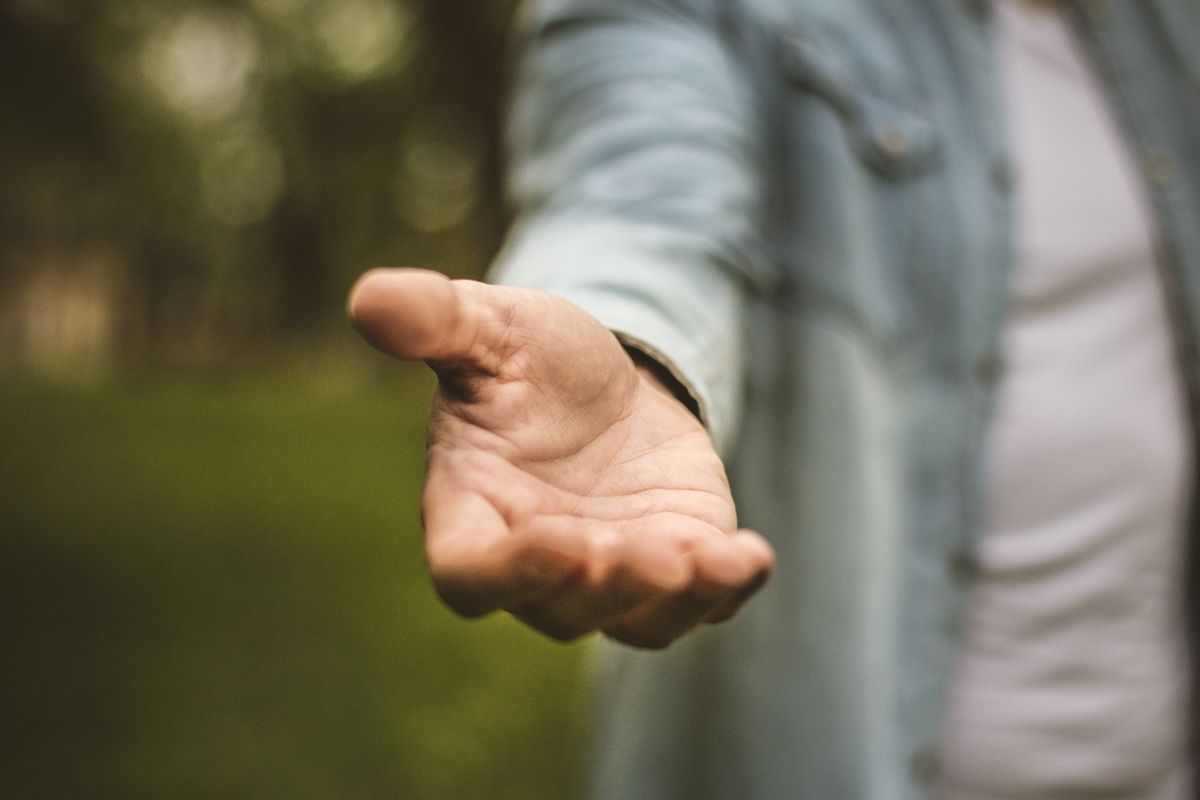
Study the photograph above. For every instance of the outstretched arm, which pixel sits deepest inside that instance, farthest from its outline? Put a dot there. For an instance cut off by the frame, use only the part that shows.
(637, 153)
(563, 484)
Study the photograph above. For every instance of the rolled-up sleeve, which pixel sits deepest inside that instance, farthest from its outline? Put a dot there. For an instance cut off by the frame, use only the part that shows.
(636, 171)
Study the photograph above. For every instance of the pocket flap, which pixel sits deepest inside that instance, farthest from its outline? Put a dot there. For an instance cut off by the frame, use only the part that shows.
(894, 141)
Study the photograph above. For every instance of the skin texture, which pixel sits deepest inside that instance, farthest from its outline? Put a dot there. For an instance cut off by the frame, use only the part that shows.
(563, 483)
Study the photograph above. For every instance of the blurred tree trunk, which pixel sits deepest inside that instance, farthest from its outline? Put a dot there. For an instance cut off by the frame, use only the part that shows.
(477, 71)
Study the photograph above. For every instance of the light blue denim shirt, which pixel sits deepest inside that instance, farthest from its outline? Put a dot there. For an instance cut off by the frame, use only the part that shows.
(803, 207)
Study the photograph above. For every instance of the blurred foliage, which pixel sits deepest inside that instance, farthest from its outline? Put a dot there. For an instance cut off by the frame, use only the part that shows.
(216, 589)
(209, 539)
(243, 160)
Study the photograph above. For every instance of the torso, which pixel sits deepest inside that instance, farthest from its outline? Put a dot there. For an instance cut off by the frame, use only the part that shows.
(1072, 675)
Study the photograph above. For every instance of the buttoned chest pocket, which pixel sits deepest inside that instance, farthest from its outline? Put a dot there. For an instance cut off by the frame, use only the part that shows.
(884, 124)
(863, 152)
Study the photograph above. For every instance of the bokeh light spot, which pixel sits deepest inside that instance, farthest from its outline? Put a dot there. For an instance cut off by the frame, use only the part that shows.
(241, 179)
(437, 186)
(358, 38)
(202, 63)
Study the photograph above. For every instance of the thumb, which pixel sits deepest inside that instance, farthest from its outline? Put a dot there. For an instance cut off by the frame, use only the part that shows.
(417, 314)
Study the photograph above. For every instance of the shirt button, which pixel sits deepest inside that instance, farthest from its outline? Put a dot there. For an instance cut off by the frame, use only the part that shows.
(964, 564)
(893, 142)
(925, 764)
(1097, 10)
(1001, 174)
(977, 8)
(989, 366)
(1160, 166)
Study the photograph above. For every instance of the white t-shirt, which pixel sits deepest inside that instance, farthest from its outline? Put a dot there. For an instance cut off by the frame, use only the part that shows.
(1073, 681)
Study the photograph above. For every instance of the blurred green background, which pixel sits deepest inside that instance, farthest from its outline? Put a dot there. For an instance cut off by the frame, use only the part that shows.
(210, 566)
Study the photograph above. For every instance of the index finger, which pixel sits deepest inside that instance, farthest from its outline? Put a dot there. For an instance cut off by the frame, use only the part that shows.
(478, 565)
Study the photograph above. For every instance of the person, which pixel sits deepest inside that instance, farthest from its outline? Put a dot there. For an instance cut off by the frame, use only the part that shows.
(924, 276)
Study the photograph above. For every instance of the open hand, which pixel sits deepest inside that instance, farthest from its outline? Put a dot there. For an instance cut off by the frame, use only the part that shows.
(563, 483)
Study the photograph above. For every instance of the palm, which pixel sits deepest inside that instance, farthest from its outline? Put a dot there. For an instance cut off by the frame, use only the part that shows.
(563, 484)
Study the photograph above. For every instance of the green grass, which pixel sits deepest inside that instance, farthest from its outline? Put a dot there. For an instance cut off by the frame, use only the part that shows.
(214, 589)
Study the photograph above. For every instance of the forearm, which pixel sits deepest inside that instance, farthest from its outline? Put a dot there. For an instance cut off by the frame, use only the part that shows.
(636, 175)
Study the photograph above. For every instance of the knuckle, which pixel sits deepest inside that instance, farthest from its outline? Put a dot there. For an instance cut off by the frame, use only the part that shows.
(559, 630)
(459, 596)
(701, 597)
(643, 639)
(563, 635)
